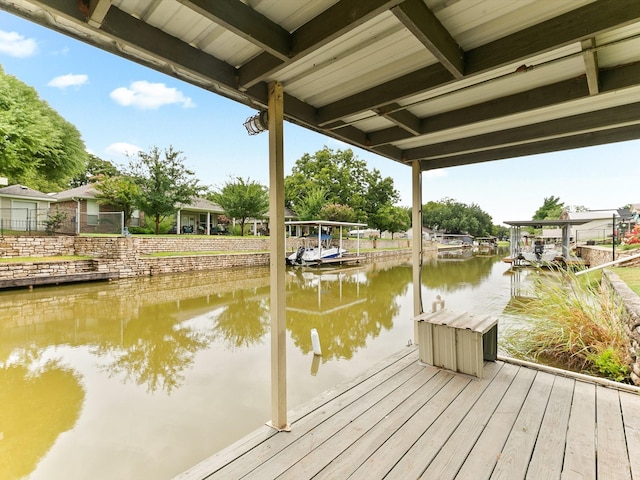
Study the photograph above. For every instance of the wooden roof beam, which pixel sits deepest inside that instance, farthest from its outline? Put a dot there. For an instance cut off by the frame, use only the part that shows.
(326, 27)
(244, 21)
(591, 65)
(548, 95)
(426, 27)
(572, 27)
(97, 11)
(589, 139)
(597, 120)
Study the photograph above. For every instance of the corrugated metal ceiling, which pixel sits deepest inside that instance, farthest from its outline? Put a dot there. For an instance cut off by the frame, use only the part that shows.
(436, 80)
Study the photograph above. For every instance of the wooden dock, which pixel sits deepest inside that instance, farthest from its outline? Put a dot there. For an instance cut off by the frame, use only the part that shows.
(57, 279)
(404, 420)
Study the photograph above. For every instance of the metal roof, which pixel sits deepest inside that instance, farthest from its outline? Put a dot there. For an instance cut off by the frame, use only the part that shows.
(446, 82)
(548, 223)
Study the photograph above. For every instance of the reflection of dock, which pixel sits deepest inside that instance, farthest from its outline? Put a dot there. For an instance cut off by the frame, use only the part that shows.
(405, 420)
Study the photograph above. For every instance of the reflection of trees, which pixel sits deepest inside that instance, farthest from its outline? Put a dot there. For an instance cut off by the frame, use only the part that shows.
(345, 327)
(245, 319)
(35, 408)
(155, 348)
(450, 276)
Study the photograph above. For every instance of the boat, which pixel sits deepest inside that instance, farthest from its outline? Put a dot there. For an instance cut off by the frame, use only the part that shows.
(319, 246)
(323, 250)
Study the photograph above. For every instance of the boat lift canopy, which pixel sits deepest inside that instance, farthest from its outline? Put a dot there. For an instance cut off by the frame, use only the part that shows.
(326, 223)
(516, 225)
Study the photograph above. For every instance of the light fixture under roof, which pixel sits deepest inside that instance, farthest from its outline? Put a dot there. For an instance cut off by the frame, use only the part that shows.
(257, 123)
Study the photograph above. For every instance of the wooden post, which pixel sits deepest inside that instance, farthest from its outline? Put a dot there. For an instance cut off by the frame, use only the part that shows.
(277, 260)
(416, 226)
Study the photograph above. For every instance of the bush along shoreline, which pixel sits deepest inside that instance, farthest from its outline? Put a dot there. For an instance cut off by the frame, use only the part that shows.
(576, 323)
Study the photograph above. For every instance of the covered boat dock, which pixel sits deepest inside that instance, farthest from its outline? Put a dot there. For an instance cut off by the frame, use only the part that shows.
(429, 84)
(517, 252)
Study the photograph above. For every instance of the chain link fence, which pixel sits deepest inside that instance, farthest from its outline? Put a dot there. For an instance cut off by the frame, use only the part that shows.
(26, 221)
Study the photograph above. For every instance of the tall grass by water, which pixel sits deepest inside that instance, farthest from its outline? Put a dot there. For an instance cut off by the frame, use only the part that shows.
(575, 323)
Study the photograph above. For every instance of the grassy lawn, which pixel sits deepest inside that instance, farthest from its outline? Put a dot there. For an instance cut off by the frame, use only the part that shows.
(59, 258)
(184, 254)
(631, 276)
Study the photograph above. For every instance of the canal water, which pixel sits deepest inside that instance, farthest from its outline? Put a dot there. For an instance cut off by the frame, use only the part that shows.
(143, 378)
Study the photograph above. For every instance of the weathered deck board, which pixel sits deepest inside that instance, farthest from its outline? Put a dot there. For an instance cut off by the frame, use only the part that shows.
(580, 450)
(352, 457)
(610, 439)
(548, 455)
(485, 453)
(517, 451)
(453, 453)
(406, 420)
(631, 418)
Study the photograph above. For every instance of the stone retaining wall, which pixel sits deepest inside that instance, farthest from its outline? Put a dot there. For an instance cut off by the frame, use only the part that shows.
(126, 257)
(120, 247)
(631, 303)
(595, 255)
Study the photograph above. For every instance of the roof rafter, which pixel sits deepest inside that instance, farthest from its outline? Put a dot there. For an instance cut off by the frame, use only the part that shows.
(245, 21)
(572, 27)
(596, 120)
(329, 25)
(548, 95)
(591, 65)
(425, 26)
(589, 139)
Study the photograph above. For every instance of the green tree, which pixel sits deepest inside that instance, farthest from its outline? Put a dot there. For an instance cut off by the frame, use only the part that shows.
(337, 213)
(163, 182)
(242, 199)
(500, 231)
(380, 194)
(308, 207)
(96, 169)
(550, 210)
(38, 148)
(344, 177)
(392, 219)
(451, 216)
(120, 191)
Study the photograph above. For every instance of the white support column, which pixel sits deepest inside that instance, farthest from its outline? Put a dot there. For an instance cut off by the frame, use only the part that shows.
(277, 260)
(416, 228)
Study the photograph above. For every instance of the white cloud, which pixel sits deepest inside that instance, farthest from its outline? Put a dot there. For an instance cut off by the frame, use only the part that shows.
(147, 95)
(437, 173)
(15, 45)
(69, 80)
(123, 149)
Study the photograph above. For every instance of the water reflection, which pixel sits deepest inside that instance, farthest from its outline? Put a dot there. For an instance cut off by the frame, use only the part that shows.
(37, 405)
(345, 307)
(155, 374)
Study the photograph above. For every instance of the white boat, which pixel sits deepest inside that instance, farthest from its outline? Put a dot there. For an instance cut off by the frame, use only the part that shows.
(541, 254)
(319, 247)
(314, 254)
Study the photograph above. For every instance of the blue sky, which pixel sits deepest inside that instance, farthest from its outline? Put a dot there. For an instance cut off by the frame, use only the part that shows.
(119, 106)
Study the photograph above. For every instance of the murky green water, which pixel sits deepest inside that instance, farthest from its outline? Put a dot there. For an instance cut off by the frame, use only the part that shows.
(144, 378)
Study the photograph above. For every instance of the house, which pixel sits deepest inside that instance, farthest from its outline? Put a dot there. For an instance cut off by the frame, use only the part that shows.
(199, 216)
(24, 209)
(600, 226)
(81, 204)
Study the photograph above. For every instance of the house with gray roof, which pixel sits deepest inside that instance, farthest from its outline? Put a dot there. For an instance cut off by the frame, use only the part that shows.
(23, 208)
(199, 216)
(81, 203)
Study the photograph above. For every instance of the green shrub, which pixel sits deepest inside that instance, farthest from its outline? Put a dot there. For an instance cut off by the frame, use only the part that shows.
(574, 323)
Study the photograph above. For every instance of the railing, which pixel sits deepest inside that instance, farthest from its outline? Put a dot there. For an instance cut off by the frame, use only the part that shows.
(27, 221)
